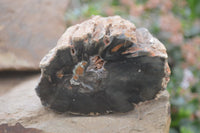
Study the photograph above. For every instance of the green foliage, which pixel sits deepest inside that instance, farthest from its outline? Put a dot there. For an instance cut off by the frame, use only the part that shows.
(141, 1)
(155, 29)
(185, 130)
(194, 6)
(187, 15)
(183, 107)
(92, 10)
(115, 3)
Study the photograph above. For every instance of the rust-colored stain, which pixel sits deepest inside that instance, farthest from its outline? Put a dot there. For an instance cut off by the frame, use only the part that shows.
(116, 48)
(98, 62)
(70, 87)
(168, 71)
(84, 63)
(94, 59)
(79, 70)
(75, 77)
(59, 75)
(131, 50)
(152, 53)
(128, 34)
(18, 128)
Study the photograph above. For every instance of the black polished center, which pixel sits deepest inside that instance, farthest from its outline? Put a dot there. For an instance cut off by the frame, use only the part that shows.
(88, 80)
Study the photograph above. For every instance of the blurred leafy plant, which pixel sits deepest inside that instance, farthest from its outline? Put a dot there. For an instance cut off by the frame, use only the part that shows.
(194, 6)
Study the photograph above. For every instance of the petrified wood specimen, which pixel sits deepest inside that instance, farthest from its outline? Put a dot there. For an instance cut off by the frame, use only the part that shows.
(102, 65)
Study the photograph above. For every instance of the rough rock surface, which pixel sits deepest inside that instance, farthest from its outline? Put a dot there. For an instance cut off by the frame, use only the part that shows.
(17, 128)
(28, 30)
(103, 65)
(21, 105)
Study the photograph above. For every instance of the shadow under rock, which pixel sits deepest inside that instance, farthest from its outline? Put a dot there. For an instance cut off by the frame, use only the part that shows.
(9, 79)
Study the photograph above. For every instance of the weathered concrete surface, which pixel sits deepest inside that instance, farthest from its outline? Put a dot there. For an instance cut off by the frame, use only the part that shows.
(28, 30)
(22, 105)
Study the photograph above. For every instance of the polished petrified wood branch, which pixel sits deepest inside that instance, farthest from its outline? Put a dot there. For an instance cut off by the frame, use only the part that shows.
(103, 65)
